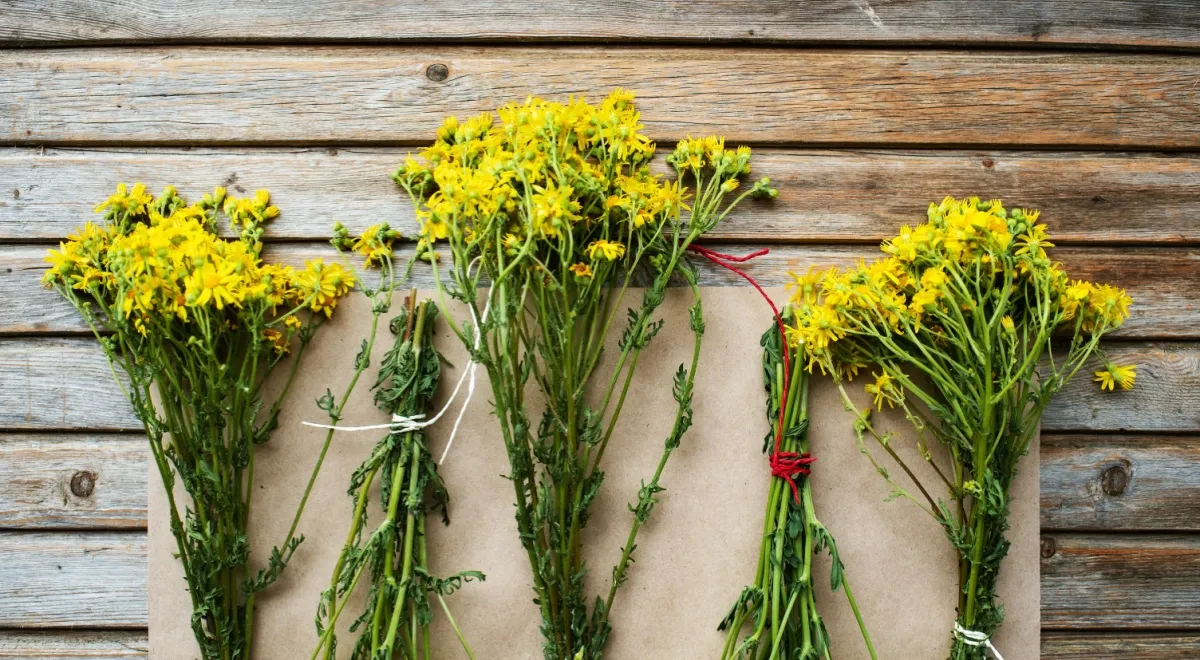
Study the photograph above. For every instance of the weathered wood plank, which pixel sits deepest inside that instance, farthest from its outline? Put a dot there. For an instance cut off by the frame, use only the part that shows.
(1088, 483)
(1120, 581)
(114, 644)
(68, 645)
(1088, 581)
(1097, 22)
(824, 195)
(1128, 483)
(54, 383)
(1056, 645)
(53, 580)
(1124, 645)
(1161, 281)
(70, 482)
(329, 94)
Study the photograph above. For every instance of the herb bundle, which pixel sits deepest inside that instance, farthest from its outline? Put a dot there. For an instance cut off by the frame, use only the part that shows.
(781, 606)
(198, 323)
(397, 614)
(556, 210)
(970, 329)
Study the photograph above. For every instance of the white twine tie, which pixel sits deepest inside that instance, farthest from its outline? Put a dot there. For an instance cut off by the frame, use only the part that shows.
(403, 424)
(976, 638)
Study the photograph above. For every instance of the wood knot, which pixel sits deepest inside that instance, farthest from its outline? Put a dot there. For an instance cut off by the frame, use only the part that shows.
(83, 483)
(1049, 547)
(1114, 480)
(437, 72)
(988, 163)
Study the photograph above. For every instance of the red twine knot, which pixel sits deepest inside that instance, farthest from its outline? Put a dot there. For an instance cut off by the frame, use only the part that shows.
(788, 465)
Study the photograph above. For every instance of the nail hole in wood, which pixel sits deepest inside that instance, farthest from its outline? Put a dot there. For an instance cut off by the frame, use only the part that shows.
(1049, 547)
(989, 163)
(437, 72)
(82, 483)
(1114, 480)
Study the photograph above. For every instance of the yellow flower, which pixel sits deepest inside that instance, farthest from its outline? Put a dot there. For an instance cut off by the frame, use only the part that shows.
(883, 389)
(1007, 322)
(375, 243)
(1034, 242)
(581, 270)
(609, 250)
(277, 338)
(1113, 375)
(213, 283)
(324, 284)
(806, 287)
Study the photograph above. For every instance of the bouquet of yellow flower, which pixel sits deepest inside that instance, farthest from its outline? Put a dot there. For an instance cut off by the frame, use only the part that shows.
(197, 323)
(397, 613)
(970, 329)
(780, 606)
(555, 209)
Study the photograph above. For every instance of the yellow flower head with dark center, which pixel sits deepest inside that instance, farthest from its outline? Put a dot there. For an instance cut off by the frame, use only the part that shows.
(581, 270)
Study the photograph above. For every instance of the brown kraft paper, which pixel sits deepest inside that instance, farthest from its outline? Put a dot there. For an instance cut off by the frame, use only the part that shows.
(694, 556)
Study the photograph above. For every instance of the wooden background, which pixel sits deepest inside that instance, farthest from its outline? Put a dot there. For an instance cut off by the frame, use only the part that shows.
(861, 112)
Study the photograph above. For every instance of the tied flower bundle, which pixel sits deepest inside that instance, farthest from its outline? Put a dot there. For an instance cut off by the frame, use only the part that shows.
(397, 614)
(970, 329)
(555, 209)
(781, 605)
(198, 323)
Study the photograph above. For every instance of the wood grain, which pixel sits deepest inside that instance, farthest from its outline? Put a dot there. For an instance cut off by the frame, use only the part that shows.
(1162, 281)
(839, 196)
(74, 481)
(1141, 23)
(1126, 483)
(1106, 483)
(54, 580)
(343, 95)
(66, 645)
(1125, 581)
(118, 644)
(1124, 645)
(1088, 581)
(54, 383)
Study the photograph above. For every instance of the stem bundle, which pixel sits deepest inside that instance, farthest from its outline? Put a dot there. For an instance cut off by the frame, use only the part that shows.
(395, 621)
(779, 608)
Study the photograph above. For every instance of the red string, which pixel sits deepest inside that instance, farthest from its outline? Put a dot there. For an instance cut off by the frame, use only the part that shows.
(786, 465)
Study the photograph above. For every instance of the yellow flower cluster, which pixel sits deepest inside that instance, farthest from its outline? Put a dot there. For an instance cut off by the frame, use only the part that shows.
(160, 261)
(969, 259)
(540, 175)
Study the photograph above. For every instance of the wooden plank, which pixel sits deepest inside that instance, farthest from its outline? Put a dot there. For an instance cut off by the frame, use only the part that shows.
(70, 482)
(342, 95)
(1126, 645)
(69, 645)
(54, 383)
(55, 580)
(1088, 581)
(1105, 483)
(1097, 22)
(833, 196)
(1127, 483)
(63, 383)
(1120, 581)
(1161, 281)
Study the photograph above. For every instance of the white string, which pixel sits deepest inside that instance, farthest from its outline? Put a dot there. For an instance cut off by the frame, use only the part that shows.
(975, 638)
(402, 424)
